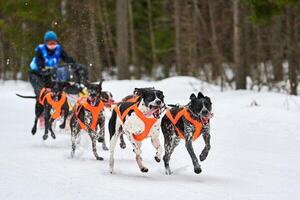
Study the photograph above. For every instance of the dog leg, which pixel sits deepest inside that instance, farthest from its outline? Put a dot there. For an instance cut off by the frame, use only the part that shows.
(74, 134)
(33, 130)
(94, 143)
(38, 112)
(66, 113)
(190, 149)
(170, 144)
(112, 146)
(122, 141)
(47, 122)
(137, 149)
(156, 144)
(104, 146)
(204, 153)
(102, 131)
(51, 130)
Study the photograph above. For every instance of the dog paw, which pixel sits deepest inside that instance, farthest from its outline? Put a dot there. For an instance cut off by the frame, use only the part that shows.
(100, 139)
(33, 131)
(99, 158)
(53, 136)
(123, 145)
(168, 172)
(157, 159)
(144, 169)
(197, 170)
(45, 137)
(62, 126)
(202, 157)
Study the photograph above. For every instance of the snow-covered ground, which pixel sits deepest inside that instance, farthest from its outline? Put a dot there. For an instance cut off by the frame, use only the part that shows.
(255, 151)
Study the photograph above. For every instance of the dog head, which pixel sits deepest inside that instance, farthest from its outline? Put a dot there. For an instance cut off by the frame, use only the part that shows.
(57, 90)
(94, 91)
(201, 106)
(152, 99)
(107, 98)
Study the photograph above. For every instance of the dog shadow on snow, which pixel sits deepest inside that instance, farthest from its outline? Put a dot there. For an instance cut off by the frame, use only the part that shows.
(157, 174)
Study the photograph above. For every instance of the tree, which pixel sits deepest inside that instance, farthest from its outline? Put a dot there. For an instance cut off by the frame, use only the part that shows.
(240, 76)
(122, 39)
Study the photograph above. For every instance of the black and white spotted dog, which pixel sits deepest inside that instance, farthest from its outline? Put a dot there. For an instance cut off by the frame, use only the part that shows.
(94, 98)
(150, 101)
(200, 109)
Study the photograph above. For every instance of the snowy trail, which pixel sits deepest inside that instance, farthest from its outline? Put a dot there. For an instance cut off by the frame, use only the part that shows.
(255, 152)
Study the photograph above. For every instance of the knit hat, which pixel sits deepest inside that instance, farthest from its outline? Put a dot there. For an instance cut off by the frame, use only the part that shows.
(50, 36)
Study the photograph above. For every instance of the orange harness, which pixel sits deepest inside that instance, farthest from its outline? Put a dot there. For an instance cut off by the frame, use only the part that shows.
(148, 122)
(42, 95)
(56, 105)
(133, 99)
(184, 113)
(46, 94)
(94, 110)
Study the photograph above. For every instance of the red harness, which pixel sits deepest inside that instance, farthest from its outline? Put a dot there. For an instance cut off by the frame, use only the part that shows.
(94, 110)
(148, 122)
(184, 113)
(46, 94)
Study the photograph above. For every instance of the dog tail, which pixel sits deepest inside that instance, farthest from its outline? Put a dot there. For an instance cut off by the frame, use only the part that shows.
(112, 124)
(26, 97)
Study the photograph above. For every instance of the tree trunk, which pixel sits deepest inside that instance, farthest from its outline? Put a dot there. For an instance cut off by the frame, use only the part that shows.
(23, 59)
(240, 76)
(177, 36)
(105, 39)
(217, 61)
(194, 39)
(122, 39)
(2, 57)
(97, 64)
(137, 69)
(152, 39)
(292, 52)
(106, 32)
(277, 50)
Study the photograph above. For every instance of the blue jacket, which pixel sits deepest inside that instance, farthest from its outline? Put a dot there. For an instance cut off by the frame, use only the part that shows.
(50, 60)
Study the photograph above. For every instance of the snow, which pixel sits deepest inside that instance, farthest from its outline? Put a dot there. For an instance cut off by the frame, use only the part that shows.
(255, 151)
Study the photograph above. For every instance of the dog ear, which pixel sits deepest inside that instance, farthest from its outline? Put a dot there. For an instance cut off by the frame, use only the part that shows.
(193, 96)
(200, 95)
(137, 91)
(208, 98)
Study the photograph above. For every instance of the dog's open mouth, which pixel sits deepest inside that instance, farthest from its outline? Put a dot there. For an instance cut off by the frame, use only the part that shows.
(92, 100)
(205, 119)
(154, 111)
(108, 102)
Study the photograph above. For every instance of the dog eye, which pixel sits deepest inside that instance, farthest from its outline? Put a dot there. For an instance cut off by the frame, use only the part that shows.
(151, 98)
(160, 95)
(207, 104)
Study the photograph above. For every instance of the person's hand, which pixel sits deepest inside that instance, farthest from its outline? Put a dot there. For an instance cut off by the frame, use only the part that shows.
(45, 71)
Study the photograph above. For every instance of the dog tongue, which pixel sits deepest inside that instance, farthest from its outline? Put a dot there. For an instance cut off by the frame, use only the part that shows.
(205, 120)
(151, 112)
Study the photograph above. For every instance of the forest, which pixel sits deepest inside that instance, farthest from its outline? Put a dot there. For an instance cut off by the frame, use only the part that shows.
(236, 44)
